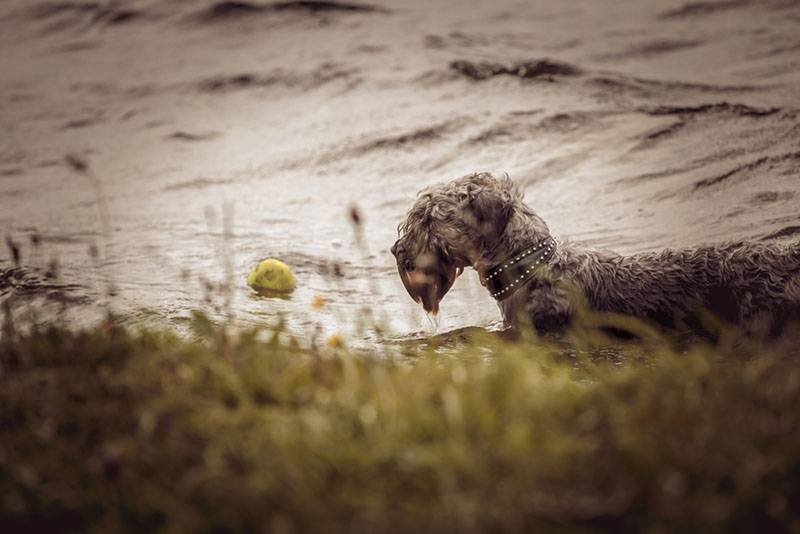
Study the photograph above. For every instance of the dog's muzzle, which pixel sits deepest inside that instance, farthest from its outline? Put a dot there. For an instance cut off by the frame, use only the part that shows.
(427, 279)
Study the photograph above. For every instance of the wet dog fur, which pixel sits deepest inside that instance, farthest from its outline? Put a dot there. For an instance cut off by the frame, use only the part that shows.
(480, 220)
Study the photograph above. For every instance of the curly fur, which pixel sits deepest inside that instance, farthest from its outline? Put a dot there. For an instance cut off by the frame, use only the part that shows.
(479, 220)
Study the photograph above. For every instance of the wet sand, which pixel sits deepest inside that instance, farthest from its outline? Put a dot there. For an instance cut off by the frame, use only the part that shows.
(221, 133)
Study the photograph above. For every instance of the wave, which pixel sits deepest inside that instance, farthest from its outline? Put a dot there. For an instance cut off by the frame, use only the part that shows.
(687, 167)
(786, 231)
(408, 140)
(691, 115)
(23, 282)
(542, 68)
(768, 197)
(742, 110)
(514, 128)
(666, 132)
(12, 171)
(647, 88)
(413, 138)
(197, 183)
(609, 83)
(786, 163)
(83, 123)
(325, 73)
(653, 48)
(765, 161)
(181, 135)
(66, 15)
(695, 9)
(234, 9)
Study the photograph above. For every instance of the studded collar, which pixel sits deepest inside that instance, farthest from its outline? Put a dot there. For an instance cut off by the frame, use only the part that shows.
(505, 278)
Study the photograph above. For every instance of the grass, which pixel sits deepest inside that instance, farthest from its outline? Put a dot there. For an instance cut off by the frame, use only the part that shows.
(111, 429)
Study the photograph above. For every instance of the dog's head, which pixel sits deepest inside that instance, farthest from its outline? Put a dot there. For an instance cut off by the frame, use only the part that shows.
(448, 228)
(427, 273)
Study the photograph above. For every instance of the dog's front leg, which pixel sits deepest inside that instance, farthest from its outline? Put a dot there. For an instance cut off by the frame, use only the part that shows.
(548, 308)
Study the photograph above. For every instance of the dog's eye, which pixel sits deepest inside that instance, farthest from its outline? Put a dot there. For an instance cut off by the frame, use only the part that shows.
(407, 265)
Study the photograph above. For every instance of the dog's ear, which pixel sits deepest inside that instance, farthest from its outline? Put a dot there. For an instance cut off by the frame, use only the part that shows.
(487, 211)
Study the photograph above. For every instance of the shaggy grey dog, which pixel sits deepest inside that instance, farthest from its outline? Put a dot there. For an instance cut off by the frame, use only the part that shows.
(482, 222)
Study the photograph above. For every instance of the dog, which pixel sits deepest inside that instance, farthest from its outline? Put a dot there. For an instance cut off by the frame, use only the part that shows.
(481, 221)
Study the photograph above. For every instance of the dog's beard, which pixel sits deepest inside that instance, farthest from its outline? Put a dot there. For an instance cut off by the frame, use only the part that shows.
(428, 287)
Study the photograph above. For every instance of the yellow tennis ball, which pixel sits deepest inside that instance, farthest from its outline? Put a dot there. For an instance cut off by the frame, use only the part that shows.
(272, 275)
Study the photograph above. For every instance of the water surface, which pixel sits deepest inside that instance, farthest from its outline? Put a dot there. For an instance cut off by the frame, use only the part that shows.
(221, 133)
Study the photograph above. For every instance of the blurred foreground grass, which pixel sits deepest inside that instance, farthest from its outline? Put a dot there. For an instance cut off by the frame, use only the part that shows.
(111, 429)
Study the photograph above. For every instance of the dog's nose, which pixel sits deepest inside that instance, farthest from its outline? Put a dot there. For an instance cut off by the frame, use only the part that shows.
(427, 295)
(430, 305)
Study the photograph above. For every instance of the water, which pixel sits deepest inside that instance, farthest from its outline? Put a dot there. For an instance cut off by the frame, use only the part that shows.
(655, 124)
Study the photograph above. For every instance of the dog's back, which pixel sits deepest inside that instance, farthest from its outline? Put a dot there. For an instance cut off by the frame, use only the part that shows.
(737, 282)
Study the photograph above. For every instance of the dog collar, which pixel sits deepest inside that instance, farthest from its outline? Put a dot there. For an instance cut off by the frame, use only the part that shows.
(504, 279)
